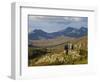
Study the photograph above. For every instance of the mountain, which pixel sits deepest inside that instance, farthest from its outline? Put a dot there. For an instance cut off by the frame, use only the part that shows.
(39, 34)
(73, 32)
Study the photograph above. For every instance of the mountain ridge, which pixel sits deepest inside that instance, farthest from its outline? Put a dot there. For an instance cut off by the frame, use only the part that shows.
(39, 34)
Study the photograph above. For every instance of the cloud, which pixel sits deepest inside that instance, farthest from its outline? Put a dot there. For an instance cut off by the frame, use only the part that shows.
(76, 19)
(31, 17)
(55, 23)
(73, 19)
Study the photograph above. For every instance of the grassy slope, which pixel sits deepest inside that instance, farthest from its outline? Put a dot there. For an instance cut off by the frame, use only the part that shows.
(57, 56)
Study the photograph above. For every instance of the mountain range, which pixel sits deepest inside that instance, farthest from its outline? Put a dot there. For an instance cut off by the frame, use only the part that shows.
(39, 34)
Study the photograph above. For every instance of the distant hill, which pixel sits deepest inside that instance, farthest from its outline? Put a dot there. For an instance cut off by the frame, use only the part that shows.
(59, 42)
(50, 42)
(71, 32)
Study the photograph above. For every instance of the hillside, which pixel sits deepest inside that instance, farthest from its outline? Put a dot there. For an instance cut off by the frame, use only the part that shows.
(58, 41)
(51, 42)
(51, 52)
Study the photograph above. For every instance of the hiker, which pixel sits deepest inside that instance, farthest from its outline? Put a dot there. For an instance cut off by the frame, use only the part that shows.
(72, 47)
(66, 48)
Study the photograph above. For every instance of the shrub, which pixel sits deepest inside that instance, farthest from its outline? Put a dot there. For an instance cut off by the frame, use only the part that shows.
(83, 54)
(35, 52)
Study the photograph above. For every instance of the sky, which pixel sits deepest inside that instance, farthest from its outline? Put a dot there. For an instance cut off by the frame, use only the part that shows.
(55, 23)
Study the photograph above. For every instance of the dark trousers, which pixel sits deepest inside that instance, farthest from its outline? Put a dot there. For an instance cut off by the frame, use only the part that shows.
(67, 51)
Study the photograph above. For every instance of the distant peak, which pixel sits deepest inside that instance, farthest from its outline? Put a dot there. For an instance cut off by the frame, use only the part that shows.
(37, 30)
(83, 27)
(70, 28)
